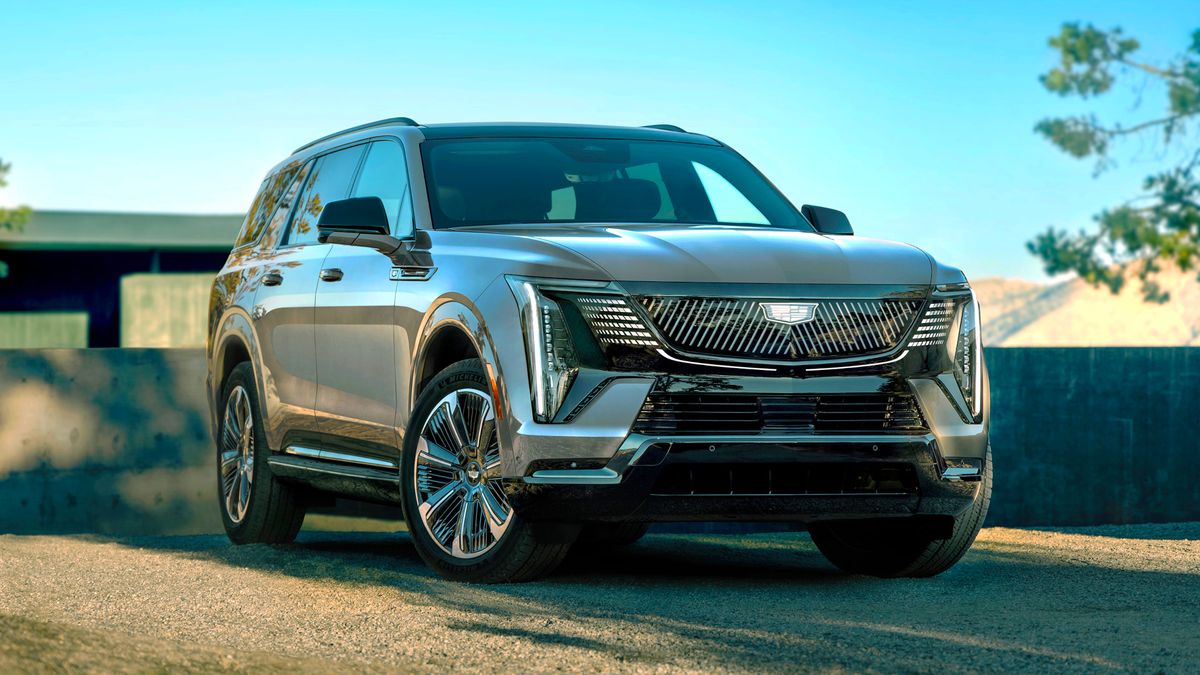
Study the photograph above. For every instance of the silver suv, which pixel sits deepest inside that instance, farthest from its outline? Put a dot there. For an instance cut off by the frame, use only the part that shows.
(534, 337)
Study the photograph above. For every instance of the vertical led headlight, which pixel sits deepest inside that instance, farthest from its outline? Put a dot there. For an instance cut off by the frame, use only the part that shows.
(552, 359)
(965, 348)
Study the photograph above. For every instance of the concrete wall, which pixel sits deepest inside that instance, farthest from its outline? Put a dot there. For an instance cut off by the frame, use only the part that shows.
(165, 310)
(105, 440)
(117, 440)
(1095, 435)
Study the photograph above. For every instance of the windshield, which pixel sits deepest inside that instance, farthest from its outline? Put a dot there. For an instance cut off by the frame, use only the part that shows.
(561, 180)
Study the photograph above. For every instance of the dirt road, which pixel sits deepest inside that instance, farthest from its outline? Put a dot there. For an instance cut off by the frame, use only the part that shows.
(1099, 599)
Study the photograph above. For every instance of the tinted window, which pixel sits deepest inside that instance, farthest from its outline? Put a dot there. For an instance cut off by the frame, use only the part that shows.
(246, 234)
(276, 217)
(329, 182)
(489, 181)
(271, 195)
(385, 175)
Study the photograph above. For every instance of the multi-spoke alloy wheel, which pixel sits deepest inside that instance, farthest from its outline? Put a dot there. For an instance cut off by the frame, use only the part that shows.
(459, 516)
(237, 454)
(256, 507)
(457, 475)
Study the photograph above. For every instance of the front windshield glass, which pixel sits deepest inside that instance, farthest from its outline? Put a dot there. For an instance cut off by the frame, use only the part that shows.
(570, 180)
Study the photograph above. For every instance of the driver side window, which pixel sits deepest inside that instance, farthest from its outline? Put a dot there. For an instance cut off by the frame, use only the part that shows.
(385, 175)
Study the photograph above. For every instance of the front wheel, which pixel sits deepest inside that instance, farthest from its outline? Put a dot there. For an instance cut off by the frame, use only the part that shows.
(891, 548)
(459, 518)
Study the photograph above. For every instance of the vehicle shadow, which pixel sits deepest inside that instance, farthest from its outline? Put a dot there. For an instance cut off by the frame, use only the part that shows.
(771, 602)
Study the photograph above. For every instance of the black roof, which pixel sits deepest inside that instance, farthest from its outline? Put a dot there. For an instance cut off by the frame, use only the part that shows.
(537, 130)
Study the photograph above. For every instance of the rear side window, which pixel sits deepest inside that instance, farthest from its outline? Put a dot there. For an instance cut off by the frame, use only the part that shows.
(329, 182)
(248, 233)
(273, 193)
(282, 207)
(385, 175)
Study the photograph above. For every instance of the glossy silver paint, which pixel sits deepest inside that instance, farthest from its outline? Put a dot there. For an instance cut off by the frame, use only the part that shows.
(345, 359)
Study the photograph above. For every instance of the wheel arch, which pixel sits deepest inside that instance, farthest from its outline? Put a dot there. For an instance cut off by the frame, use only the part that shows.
(452, 331)
(233, 343)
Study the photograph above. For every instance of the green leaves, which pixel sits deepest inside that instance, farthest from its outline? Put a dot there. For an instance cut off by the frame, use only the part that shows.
(1076, 136)
(1086, 57)
(1163, 224)
(11, 219)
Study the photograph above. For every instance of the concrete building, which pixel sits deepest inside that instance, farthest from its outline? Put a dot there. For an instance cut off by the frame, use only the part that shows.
(89, 279)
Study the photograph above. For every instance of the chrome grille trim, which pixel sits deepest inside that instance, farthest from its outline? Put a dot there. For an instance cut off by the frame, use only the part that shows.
(935, 324)
(738, 327)
(613, 321)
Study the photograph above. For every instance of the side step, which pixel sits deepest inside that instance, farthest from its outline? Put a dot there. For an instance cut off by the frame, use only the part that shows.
(303, 468)
(356, 482)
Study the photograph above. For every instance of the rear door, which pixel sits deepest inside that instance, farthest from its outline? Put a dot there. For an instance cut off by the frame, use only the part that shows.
(355, 326)
(284, 304)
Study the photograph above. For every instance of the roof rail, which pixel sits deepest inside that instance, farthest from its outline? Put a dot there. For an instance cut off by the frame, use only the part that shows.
(391, 121)
(665, 127)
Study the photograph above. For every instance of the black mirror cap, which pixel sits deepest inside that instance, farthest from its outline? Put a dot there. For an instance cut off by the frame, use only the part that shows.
(827, 221)
(360, 215)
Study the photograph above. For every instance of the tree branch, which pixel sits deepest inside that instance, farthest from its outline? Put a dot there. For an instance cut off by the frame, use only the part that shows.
(1153, 70)
(1125, 131)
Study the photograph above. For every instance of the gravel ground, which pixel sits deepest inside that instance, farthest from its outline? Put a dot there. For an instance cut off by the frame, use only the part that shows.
(1095, 599)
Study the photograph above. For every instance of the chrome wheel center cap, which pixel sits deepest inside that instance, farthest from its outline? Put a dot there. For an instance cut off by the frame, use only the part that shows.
(473, 472)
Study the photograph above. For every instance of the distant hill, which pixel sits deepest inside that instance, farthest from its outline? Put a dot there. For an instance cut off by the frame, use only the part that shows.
(1073, 314)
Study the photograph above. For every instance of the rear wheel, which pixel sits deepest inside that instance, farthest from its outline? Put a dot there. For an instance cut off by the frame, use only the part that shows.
(256, 507)
(460, 520)
(894, 548)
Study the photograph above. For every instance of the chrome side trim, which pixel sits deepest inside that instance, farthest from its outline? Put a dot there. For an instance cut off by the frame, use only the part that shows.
(334, 456)
(300, 451)
(605, 476)
(412, 273)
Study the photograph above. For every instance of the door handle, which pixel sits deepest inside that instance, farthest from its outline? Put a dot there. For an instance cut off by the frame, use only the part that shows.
(272, 279)
(331, 274)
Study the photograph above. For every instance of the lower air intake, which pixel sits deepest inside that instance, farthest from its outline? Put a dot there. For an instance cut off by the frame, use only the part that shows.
(792, 479)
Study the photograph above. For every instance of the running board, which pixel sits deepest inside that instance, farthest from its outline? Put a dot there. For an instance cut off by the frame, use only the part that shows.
(304, 468)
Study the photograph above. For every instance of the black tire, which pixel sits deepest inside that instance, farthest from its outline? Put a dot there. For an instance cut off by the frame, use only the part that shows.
(274, 510)
(525, 551)
(611, 535)
(886, 548)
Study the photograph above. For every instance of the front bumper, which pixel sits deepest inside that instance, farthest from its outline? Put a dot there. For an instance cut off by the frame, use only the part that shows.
(605, 479)
(640, 483)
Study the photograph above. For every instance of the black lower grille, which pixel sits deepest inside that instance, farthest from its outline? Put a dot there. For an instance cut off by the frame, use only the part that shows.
(746, 414)
(795, 478)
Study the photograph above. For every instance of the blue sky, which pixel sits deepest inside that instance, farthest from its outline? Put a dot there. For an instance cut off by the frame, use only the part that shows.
(915, 118)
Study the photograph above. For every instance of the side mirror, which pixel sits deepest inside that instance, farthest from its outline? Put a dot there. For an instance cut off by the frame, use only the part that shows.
(361, 215)
(361, 221)
(827, 221)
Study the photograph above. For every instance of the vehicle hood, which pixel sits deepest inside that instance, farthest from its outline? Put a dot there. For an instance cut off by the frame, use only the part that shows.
(732, 254)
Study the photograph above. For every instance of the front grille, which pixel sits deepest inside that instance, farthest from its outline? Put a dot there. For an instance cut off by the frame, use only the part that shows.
(665, 414)
(778, 479)
(737, 327)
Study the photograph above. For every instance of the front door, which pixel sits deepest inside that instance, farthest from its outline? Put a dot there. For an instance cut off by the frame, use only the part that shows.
(357, 367)
(285, 303)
